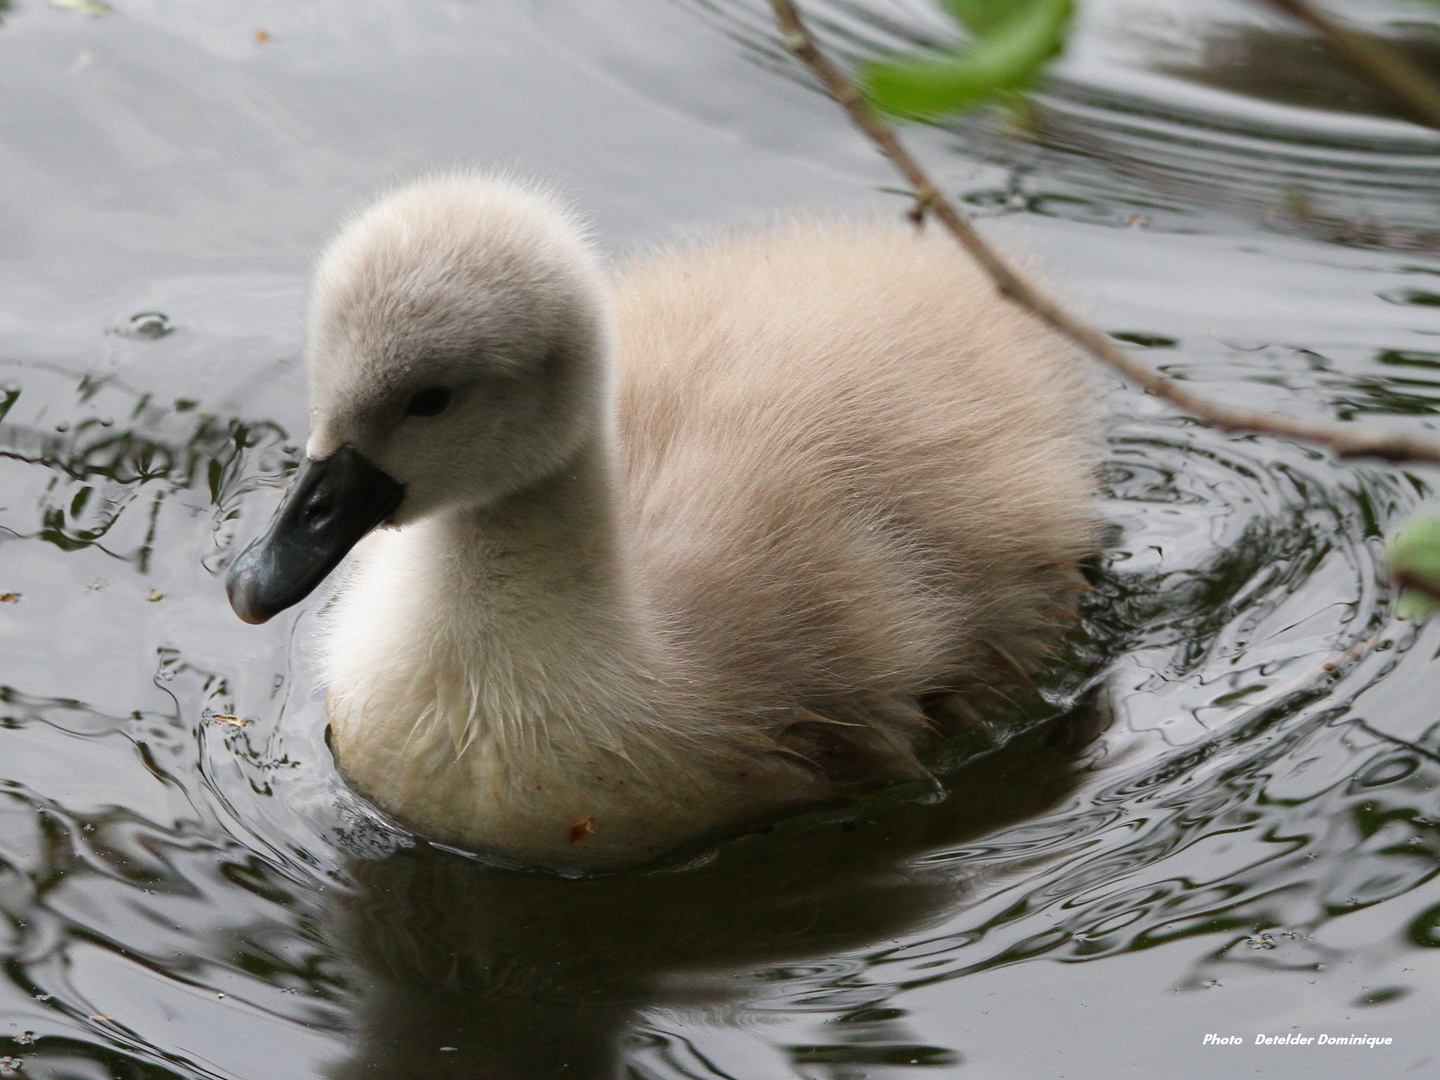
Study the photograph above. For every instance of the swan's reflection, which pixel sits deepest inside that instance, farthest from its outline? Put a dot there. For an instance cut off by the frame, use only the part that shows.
(471, 971)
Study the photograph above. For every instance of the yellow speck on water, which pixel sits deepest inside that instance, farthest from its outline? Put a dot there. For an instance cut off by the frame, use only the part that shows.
(261, 37)
(228, 718)
(156, 594)
(84, 7)
(9, 597)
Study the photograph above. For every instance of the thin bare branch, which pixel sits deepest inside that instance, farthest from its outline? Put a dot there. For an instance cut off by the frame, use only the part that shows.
(1339, 660)
(1374, 58)
(1345, 441)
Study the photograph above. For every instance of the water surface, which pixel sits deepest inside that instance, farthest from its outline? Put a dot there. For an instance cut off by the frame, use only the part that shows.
(1249, 846)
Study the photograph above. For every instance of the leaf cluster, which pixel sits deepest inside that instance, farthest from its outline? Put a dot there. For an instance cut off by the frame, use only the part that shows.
(1010, 42)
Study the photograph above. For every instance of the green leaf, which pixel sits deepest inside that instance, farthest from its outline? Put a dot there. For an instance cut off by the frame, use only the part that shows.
(84, 7)
(982, 16)
(1415, 564)
(1416, 606)
(1005, 56)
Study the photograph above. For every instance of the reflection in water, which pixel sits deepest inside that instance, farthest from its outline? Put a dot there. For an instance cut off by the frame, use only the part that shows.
(115, 446)
(483, 961)
(1289, 66)
(188, 891)
(209, 849)
(1101, 149)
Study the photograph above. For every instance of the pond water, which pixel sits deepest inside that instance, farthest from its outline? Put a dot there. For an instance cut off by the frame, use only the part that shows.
(1248, 847)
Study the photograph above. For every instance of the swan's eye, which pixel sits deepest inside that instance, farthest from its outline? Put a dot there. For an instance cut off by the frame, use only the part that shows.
(431, 401)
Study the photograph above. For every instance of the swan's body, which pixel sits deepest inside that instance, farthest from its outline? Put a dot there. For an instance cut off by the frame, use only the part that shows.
(658, 577)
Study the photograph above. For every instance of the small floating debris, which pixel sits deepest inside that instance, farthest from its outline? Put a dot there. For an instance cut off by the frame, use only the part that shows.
(156, 595)
(9, 597)
(581, 830)
(147, 324)
(84, 7)
(261, 37)
(228, 718)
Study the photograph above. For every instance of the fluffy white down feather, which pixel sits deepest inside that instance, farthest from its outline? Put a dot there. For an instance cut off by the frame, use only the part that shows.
(689, 544)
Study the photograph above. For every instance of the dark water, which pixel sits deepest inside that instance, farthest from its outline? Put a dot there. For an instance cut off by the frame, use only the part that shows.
(188, 890)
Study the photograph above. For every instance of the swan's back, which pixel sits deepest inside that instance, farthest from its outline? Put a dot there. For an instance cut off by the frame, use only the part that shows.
(853, 474)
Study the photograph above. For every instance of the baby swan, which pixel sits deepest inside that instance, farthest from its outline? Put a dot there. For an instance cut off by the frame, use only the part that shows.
(637, 563)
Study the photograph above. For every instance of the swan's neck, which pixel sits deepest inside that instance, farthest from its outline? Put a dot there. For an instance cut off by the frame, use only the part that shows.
(543, 562)
(503, 648)
(497, 681)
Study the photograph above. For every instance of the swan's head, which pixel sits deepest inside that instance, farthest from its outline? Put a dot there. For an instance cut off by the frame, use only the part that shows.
(457, 336)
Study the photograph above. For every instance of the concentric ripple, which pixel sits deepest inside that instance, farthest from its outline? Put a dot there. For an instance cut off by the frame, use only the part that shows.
(1164, 114)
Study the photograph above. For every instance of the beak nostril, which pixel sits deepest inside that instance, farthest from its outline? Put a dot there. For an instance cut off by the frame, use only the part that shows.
(332, 504)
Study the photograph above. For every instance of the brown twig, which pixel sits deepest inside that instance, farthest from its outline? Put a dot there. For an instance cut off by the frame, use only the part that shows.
(1346, 442)
(1373, 58)
(1355, 652)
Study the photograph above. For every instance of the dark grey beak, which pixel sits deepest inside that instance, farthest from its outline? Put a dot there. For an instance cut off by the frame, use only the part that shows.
(332, 504)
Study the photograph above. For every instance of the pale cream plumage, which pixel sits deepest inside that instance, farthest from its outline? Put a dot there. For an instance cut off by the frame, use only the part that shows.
(682, 560)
